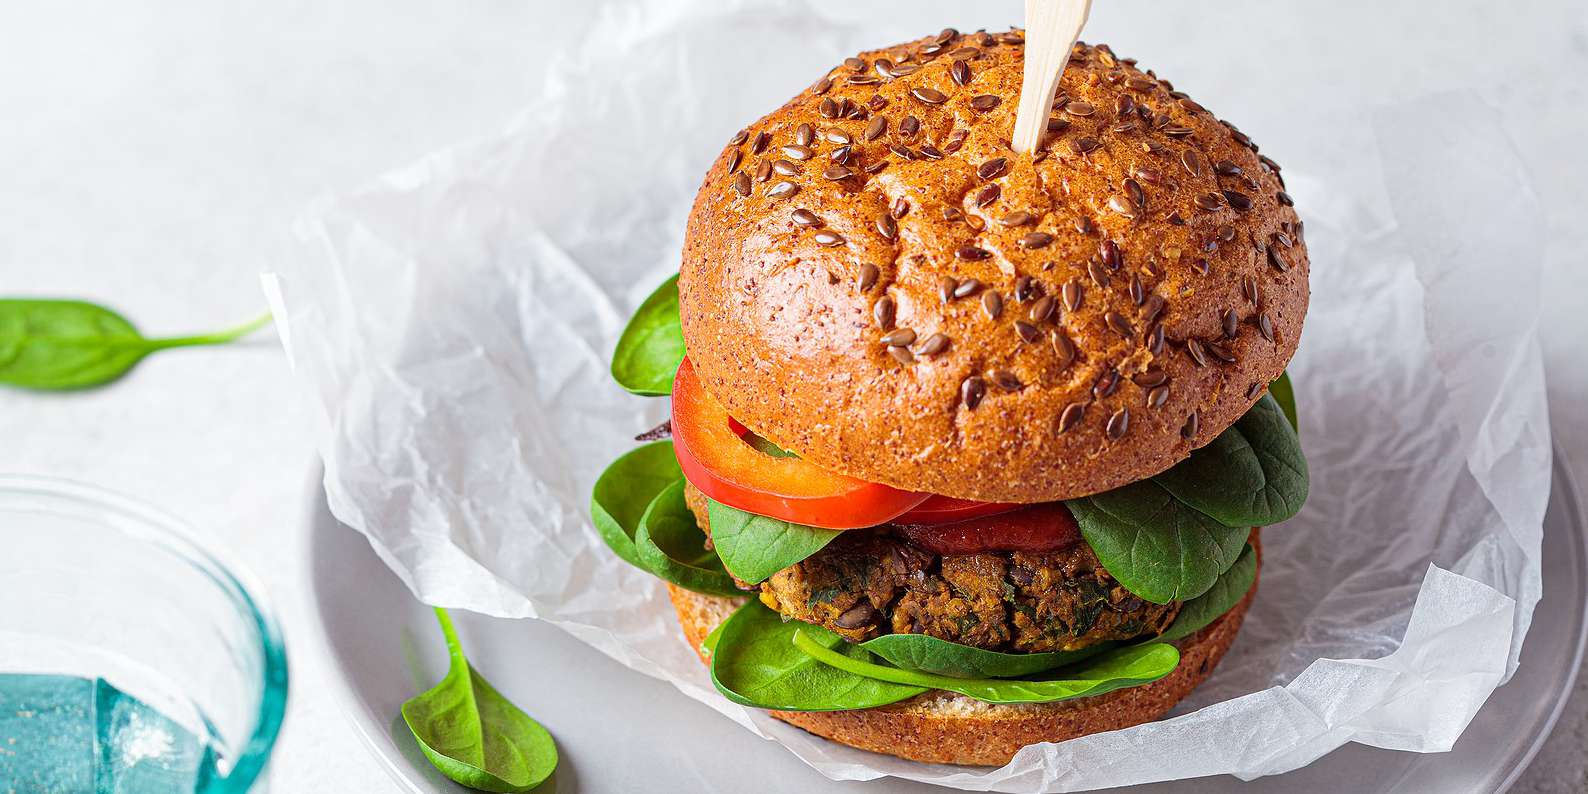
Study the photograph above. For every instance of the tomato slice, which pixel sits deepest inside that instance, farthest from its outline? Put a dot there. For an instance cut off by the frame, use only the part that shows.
(718, 461)
(943, 509)
(1038, 528)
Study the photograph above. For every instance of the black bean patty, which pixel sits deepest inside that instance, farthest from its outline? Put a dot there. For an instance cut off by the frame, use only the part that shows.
(870, 582)
(873, 582)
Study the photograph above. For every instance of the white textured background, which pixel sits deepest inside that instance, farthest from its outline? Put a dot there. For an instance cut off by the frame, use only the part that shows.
(153, 155)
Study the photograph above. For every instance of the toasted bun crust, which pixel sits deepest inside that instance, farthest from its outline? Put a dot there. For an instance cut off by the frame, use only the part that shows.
(1148, 217)
(947, 728)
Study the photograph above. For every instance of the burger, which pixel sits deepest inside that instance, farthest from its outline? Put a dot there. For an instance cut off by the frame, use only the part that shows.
(969, 448)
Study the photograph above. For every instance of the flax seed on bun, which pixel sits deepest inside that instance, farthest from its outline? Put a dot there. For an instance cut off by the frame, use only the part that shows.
(874, 280)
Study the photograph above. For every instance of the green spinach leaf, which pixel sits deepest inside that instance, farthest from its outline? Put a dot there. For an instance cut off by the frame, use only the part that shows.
(928, 654)
(625, 489)
(671, 545)
(1253, 474)
(755, 663)
(1123, 667)
(754, 547)
(473, 734)
(1228, 591)
(56, 345)
(709, 643)
(766, 447)
(1157, 547)
(1285, 394)
(652, 345)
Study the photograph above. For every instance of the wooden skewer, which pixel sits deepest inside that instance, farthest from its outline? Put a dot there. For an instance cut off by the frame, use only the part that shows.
(1052, 26)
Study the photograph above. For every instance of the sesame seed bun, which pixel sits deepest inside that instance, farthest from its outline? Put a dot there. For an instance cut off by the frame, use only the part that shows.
(948, 728)
(937, 313)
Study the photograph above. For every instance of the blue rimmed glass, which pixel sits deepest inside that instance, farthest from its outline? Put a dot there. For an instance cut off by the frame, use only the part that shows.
(131, 659)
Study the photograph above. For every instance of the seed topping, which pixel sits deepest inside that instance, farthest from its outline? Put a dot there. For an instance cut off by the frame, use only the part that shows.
(899, 338)
(971, 392)
(1064, 349)
(1071, 416)
(984, 102)
(1006, 380)
(934, 345)
(868, 277)
(882, 313)
(992, 303)
(1119, 324)
(1072, 293)
(1118, 424)
(992, 169)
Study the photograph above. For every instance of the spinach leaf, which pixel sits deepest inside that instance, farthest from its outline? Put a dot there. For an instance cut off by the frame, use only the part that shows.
(709, 643)
(754, 547)
(671, 545)
(766, 447)
(473, 734)
(1285, 395)
(65, 344)
(1228, 591)
(930, 654)
(1123, 667)
(625, 489)
(1157, 547)
(1253, 474)
(756, 664)
(652, 344)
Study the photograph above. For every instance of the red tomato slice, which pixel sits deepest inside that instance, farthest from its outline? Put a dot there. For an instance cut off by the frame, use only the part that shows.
(718, 461)
(1038, 528)
(943, 509)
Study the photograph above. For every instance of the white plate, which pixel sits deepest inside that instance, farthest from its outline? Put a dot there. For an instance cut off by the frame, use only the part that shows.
(621, 731)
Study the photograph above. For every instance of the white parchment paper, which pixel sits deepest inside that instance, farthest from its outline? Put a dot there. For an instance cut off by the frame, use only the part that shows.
(455, 320)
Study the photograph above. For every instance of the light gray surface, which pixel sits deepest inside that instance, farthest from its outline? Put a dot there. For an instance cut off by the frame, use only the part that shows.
(154, 155)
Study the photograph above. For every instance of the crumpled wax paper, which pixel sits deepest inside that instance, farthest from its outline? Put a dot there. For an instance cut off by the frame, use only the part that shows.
(455, 320)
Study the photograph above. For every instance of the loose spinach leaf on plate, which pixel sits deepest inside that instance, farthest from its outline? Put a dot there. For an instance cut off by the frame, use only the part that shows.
(754, 547)
(1228, 591)
(625, 489)
(670, 543)
(928, 654)
(1156, 546)
(652, 344)
(1253, 474)
(1129, 666)
(66, 344)
(755, 663)
(475, 736)
(1285, 394)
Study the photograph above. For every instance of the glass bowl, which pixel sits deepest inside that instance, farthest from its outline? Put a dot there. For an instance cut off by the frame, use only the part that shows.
(131, 658)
